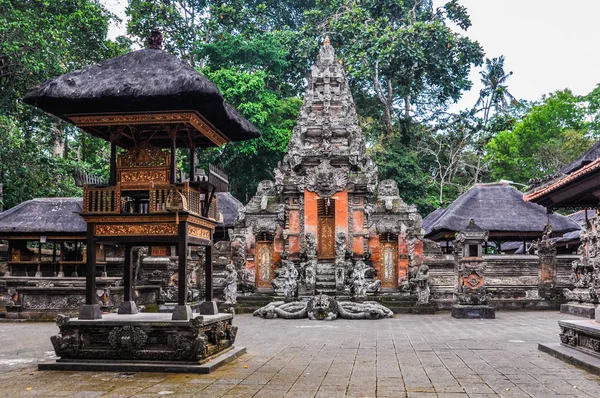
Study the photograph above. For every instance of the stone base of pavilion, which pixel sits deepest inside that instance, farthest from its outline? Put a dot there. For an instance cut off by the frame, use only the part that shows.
(473, 312)
(580, 344)
(583, 310)
(145, 342)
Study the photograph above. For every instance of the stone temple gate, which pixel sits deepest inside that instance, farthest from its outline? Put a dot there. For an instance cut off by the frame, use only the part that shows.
(325, 214)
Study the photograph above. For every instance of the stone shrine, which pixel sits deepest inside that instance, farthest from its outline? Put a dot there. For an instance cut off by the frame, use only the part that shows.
(325, 213)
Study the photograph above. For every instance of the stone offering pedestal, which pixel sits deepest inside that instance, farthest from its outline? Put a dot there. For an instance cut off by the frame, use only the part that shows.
(145, 342)
(473, 312)
(579, 343)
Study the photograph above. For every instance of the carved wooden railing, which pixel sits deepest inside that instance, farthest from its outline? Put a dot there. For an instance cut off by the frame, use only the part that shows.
(161, 198)
(101, 200)
(160, 195)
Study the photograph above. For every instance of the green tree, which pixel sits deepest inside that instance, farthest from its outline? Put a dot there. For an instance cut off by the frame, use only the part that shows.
(400, 51)
(550, 135)
(40, 40)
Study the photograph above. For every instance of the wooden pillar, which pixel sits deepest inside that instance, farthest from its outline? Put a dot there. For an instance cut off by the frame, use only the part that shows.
(208, 273)
(173, 165)
(90, 267)
(113, 164)
(192, 162)
(127, 274)
(128, 305)
(182, 252)
(91, 310)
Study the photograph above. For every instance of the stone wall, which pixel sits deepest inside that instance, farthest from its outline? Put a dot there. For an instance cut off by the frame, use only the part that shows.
(512, 280)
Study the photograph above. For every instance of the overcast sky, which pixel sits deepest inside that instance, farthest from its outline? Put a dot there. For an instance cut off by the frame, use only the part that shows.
(548, 44)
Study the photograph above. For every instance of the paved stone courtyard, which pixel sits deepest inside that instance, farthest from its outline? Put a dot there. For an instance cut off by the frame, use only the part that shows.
(408, 356)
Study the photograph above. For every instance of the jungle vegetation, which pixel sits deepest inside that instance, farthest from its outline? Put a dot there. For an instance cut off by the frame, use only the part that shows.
(407, 62)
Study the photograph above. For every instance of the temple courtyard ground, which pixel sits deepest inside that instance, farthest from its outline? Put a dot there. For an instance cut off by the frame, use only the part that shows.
(408, 356)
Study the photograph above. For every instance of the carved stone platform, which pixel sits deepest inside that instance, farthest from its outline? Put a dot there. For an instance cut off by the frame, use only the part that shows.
(473, 312)
(580, 344)
(144, 340)
(583, 310)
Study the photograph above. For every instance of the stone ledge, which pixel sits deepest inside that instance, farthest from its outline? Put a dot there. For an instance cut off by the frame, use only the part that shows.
(138, 366)
(581, 310)
(572, 356)
(473, 312)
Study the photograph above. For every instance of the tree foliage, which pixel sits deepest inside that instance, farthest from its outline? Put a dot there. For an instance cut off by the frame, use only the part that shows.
(40, 40)
(551, 134)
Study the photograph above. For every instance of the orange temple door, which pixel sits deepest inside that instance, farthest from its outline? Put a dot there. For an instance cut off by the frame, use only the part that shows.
(326, 229)
(264, 261)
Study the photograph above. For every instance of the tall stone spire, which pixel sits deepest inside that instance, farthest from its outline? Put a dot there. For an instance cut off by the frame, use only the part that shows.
(327, 129)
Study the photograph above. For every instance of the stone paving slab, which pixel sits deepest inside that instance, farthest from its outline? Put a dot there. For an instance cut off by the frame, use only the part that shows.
(407, 356)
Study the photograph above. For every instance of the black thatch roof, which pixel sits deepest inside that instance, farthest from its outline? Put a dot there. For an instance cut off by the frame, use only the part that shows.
(588, 157)
(147, 80)
(44, 216)
(228, 206)
(499, 209)
(432, 218)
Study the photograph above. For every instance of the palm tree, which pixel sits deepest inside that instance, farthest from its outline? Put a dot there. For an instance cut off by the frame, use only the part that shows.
(494, 93)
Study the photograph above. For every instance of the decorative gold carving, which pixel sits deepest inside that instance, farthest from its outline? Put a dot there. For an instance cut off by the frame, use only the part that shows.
(144, 218)
(135, 229)
(144, 156)
(201, 222)
(264, 264)
(192, 118)
(388, 260)
(198, 232)
(143, 176)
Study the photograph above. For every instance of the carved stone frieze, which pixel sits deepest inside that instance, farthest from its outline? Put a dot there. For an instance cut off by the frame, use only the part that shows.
(325, 179)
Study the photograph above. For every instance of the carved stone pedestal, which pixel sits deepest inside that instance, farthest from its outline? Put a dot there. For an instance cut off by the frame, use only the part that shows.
(473, 312)
(579, 344)
(142, 342)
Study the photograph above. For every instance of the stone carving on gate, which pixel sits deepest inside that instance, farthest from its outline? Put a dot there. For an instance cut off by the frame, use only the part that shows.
(585, 272)
(326, 180)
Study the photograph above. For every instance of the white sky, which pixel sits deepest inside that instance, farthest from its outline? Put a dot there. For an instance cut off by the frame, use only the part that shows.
(548, 44)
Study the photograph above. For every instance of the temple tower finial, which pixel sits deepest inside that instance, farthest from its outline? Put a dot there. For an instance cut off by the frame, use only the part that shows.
(326, 41)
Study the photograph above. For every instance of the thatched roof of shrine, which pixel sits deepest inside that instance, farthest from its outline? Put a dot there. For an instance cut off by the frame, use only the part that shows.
(147, 80)
(229, 207)
(44, 216)
(499, 209)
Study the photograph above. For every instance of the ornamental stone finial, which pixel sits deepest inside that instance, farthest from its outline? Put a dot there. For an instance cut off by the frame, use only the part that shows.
(155, 41)
(326, 41)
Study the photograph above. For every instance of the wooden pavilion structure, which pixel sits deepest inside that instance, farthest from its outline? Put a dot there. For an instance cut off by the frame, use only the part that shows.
(153, 107)
(145, 102)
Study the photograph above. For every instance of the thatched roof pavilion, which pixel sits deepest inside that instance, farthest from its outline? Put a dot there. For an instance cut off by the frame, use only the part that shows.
(44, 217)
(148, 82)
(499, 209)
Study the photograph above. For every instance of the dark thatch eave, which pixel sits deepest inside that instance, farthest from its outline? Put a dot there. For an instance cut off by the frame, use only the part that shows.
(229, 207)
(588, 157)
(44, 216)
(501, 210)
(147, 80)
(432, 218)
